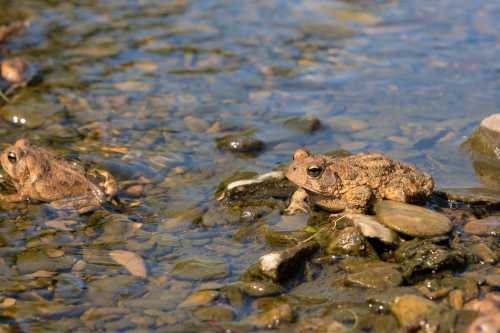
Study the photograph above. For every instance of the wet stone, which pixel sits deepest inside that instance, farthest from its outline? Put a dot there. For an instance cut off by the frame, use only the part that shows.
(274, 313)
(307, 125)
(68, 286)
(198, 298)
(378, 278)
(348, 241)
(489, 226)
(412, 220)
(258, 188)
(486, 139)
(258, 288)
(239, 144)
(33, 260)
(108, 290)
(370, 227)
(217, 312)
(472, 196)
(421, 257)
(200, 269)
(281, 265)
(411, 309)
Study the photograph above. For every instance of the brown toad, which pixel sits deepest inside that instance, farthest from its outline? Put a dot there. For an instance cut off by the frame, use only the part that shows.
(352, 183)
(39, 175)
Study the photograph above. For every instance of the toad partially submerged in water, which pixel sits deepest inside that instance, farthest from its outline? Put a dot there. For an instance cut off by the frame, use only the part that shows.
(352, 183)
(39, 175)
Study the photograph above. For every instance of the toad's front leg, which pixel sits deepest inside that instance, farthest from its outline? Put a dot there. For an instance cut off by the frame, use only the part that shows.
(298, 202)
(16, 197)
(358, 199)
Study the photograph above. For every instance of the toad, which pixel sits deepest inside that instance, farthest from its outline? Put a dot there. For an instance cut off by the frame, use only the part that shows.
(354, 182)
(41, 176)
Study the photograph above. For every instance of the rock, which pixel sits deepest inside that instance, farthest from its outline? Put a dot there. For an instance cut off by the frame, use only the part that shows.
(68, 286)
(258, 288)
(489, 314)
(471, 196)
(131, 261)
(280, 265)
(108, 290)
(371, 228)
(275, 312)
(489, 226)
(33, 260)
(411, 309)
(215, 313)
(239, 144)
(195, 124)
(200, 269)
(490, 304)
(308, 124)
(13, 70)
(198, 298)
(485, 324)
(493, 280)
(348, 241)
(420, 257)
(377, 278)
(484, 253)
(260, 187)
(412, 220)
(486, 139)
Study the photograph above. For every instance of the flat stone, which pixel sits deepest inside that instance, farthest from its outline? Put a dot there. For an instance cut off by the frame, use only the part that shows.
(473, 195)
(412, 220)
(486, 138)
(411, 309)
(378, 278)
(200, 269)
(489, 226)
(371, 228)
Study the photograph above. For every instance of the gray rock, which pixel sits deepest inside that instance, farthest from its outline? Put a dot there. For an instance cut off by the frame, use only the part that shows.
(240, 144)
(308, 124)
(33, 260)
(412, 220)
(377, 278)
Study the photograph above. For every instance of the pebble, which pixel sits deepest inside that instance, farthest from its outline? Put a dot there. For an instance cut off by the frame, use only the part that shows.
(13, 70)
(489, 226)
(411, 309)
(307, 125)
(240, 144)
(200, 269)
(196, 125)
(202, 297)
(412, 220)
(370, 227)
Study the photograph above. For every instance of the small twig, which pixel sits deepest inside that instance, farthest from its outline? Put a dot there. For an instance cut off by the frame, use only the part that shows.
(4, 97)
(323, 228)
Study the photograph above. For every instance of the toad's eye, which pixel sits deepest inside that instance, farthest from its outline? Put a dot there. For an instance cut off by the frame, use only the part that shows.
(12, 157)
(314, 171)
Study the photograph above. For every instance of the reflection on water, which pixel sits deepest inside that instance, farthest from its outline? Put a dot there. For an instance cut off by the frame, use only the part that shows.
(146, 87)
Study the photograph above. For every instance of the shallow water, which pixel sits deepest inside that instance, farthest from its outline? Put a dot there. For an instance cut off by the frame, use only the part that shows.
(145, 87)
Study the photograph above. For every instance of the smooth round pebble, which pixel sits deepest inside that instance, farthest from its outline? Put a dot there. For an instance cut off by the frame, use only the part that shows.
(412, 220)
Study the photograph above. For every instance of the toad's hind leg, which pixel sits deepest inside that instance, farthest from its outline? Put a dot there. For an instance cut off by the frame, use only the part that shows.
(81, 205)
(400, 189)
(359, 199)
